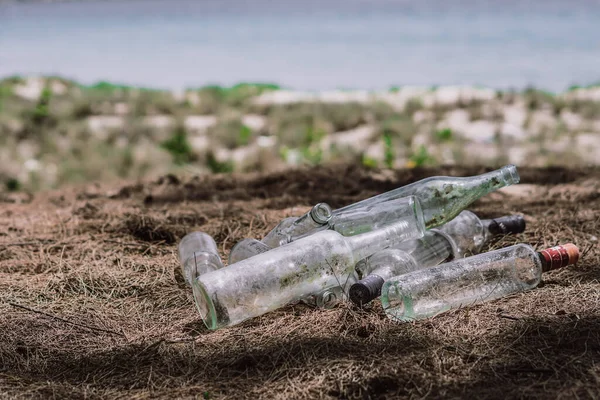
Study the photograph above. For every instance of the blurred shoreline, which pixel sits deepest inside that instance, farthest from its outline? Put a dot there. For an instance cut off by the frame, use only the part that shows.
(309, 45)
(55, 131)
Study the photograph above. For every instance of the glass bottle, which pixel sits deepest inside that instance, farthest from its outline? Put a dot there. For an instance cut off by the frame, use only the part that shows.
(351, 223)
(198, 255)
(472, 280)
(442, 197)
(470, 233)
(317, 217)
(465, 234)
(271, 280)
(246, 248)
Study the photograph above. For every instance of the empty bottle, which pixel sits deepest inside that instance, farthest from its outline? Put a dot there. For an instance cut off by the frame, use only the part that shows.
(442, 197)
(246, 248)
(351, 223)
(198, 255)
(317, 217)
(466, 234)
(471, 280)
(470, 233)
(271, 280)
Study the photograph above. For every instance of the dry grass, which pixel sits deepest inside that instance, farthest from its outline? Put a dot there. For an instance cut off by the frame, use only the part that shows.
(93, 305)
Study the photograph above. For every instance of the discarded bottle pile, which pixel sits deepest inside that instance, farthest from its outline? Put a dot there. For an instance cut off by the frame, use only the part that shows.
(414, 246)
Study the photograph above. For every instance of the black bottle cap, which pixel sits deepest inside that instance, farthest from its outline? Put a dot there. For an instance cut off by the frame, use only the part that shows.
(510, 224)
(366, 290)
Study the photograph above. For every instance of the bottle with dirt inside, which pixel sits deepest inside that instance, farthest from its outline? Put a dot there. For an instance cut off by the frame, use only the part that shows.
(442, 197)
(271, 280)
(351, 223)
(472, 280)
(464, 235)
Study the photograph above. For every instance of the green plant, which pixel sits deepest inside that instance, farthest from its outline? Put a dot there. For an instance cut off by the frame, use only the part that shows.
(230, 132)
(5, 92)
(368, 162)
(443, 135)
(216, 166)
(245, 135)
(312, 154)
(420, 157)
(12, 184)
(179, 147)
(314, 135)
(41, 111)
(389, 155)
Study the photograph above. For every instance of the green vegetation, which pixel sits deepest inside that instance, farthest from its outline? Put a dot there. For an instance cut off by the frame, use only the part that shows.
(444, 135)
(421, 157)
(179, 147)
(55, 131)
(12, 184)
(216, 166)
(41, 112)
(389, 156)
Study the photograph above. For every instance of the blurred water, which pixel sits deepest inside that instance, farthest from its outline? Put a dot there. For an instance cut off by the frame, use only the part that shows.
(307, 44)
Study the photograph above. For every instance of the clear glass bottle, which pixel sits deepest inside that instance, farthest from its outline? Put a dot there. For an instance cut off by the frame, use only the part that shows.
(198, 255)
(317, 217)
(465, 234)
(271, 280)
(246, 248)
(354, 222)
(433, 248)
(442, 197)
(472, 280)
(351, 223)
(470, 233)
(366, 219)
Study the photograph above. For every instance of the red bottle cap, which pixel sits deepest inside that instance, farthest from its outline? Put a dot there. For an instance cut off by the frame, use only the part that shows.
(559, 256)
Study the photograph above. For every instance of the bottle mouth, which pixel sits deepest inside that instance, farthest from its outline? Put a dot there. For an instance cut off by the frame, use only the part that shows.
(397, 306)
(456, 251)
(510, 175)
(321, 213)
(200, 263)
(327, 299)
(392, 302)
(204, 305)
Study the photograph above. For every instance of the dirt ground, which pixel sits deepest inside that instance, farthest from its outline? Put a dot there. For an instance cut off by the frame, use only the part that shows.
(94, 306)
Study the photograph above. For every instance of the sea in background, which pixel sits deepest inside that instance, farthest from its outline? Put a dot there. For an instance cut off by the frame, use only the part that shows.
(308, 45)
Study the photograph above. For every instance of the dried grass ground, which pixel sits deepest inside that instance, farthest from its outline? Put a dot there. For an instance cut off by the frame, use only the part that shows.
(93, 304)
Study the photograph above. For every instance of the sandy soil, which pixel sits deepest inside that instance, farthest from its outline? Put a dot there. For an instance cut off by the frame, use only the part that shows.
(93, 304)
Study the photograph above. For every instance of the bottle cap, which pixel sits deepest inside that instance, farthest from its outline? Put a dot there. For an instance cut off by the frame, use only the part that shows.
(559, 256)
(509, 224)
(365, 290)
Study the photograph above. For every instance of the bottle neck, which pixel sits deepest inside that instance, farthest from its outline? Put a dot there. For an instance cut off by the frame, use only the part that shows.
(510, 224)
(369, 243)
(432, 249)
(558, 257)
(444, 199)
